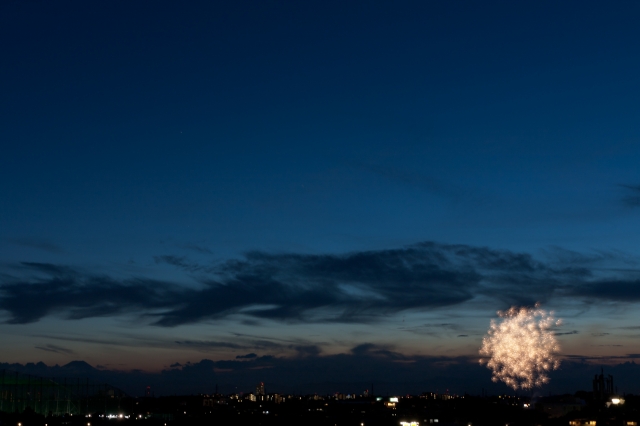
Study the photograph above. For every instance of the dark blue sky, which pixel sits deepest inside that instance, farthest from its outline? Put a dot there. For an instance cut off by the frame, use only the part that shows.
(196, 180)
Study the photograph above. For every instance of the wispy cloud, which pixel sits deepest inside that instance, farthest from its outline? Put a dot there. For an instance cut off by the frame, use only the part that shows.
(631, 197)
(418, 180)
(435, 330)
(55, 348)
(247, 356)
(361, 286)
(195, 247)
(36, 243)
(209, 344)
(78, 296)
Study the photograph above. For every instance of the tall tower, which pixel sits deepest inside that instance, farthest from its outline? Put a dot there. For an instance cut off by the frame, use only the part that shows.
(602, 386)
(260, 389)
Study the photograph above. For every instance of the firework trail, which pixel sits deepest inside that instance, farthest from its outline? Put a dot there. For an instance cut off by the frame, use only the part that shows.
(520, 348)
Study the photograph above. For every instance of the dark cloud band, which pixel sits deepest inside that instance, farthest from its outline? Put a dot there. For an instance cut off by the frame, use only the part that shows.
(353, 287)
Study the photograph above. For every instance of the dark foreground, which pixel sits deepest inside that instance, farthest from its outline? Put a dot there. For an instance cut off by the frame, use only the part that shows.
(567, 410)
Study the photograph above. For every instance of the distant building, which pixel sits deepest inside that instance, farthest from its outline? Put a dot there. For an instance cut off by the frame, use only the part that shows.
(260, 389)
(558, 406)
(602, 386)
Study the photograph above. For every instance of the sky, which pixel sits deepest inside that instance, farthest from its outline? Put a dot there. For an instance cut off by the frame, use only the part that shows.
(257, 189)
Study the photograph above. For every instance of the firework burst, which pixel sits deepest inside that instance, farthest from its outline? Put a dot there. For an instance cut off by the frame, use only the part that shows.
(520, 348)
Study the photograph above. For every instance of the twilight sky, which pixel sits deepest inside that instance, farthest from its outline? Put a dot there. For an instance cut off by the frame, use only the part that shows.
(314, 182)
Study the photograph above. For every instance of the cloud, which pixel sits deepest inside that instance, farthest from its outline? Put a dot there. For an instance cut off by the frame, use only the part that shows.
(378, 351)
(56, 349)
(356, 287)
(36, 243)
(247, 344)
(616, 289)
(414, 179)
(631, 197)
(307, 350)
(313, 372)
(364, 286)
(78, 296)
(195, 247)
(567, 333)
(435, 330)
(58, 271)
(392, 372)
(210, 344)
(247, 356)
(178, 261)
(87, 340)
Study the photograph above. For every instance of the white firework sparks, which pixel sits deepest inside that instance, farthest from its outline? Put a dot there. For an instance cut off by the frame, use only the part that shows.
(521, 347)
